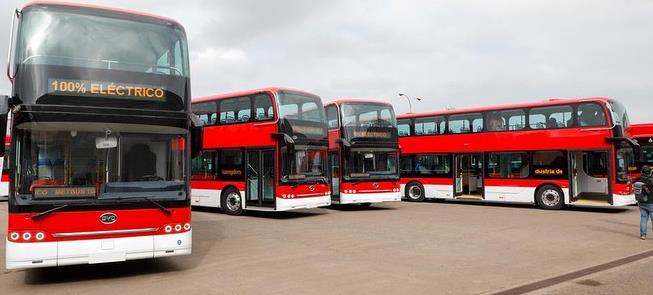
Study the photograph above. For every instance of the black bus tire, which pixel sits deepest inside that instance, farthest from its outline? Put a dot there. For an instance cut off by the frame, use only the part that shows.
(550, 197)
(414, 192)
(231, 202)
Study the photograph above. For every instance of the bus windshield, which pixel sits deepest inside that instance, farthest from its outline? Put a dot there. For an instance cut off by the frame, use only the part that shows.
(73, 161)
(78, 37)
(303, 163)
(293, 107)
(368, 115)
(366, 163)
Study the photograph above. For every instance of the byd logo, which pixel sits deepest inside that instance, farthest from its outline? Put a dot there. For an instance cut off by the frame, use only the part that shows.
(108, 218)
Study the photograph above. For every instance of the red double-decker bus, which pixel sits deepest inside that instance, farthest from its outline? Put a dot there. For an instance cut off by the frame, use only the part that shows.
(263, 150)
(100, 152)
(363, 152)
(643, 135)
(551, 153)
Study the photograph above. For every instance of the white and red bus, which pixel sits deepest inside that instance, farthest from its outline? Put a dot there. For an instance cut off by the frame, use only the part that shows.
(551, 153)
(263, 150)
(643, 135)
(363, 152)
(100, 151)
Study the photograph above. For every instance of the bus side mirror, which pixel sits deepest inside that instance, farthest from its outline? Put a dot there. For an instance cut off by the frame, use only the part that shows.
(4, 113)
(196, 135)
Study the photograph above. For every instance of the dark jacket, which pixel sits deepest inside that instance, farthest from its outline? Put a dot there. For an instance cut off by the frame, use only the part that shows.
(648, 180)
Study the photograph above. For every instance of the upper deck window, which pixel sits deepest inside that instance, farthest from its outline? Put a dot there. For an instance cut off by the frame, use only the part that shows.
(551, 117)
(430, 125)
(90, 38)
(591, 114)
(506, 120)
(332, 116)
(300, 107)
(466, 123)
(403, 127)
(367, 115)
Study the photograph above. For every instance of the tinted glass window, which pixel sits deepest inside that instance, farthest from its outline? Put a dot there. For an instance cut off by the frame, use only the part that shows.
(406, 164)
(551, 117)
(591, 114)
(206, 111)
(549, 165)
(429, 125)
(506, 120)
(403, 127)
(508, 165)
(596, 164)
(235, 110)
(231, 163)
(332, 117)
(647, 155)
(263, 108)
(203, 166)
(466, 123)
(433, 164)
(625, 163)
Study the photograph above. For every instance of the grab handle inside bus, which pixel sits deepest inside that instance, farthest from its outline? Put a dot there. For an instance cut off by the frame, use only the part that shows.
(4, 113)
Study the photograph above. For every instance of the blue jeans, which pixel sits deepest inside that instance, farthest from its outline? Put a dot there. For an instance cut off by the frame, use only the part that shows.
(646, 210)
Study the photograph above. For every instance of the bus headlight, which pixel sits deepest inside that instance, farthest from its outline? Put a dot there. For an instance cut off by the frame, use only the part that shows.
(187, 226)
(178, 227)
(168, 228)
(14, 236)
(40, 236)
(27, 236)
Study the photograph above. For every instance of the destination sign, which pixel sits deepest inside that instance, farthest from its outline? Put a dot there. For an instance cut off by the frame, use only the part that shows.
(372, 134)
(106, 89)
(231, 172)
(64, 192)
(308, 130)
(545, 171)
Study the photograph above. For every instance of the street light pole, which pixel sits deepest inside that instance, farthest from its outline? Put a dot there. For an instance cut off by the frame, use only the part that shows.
(410, 105)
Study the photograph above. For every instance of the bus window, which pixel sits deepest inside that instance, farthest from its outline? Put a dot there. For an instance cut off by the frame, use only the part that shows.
(406, 164)
(508, 165)
(506, 120)
(403, 127)
(433, 164)
(234, 110)
(206, 111)
(332, 116)
(203, 166)
(591, 114)
(551, 117)
(549, 165)
(625, 160)
(231, 163)
(425, 126)
(647, 155)
(263, 108)
(466, 123)
(596, 164)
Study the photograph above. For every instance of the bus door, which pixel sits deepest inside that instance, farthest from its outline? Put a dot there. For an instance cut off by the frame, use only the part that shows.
(334, 163)
(260, 178)
(589, 175)
(468, 174)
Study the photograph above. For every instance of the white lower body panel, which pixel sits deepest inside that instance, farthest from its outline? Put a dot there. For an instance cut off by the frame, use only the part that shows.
(44, 254)
(369, 198)
(302, 203)
(433, 191)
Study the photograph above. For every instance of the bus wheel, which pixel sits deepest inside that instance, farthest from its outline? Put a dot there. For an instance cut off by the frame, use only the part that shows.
(232, 203)
(550, 197)
(415, 192)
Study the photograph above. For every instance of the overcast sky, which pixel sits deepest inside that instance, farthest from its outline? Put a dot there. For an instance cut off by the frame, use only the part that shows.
(449, 53)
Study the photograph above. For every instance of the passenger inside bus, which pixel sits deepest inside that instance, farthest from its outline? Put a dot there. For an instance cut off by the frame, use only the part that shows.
(495, 122)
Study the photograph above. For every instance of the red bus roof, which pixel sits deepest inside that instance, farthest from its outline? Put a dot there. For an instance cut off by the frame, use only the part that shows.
(100, 7)
(341, 101)
(548, 102)
(248, 92)
(641, 130)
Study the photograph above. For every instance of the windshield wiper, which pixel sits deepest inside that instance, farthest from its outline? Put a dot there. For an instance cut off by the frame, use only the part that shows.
(46, 212)
(163, 208)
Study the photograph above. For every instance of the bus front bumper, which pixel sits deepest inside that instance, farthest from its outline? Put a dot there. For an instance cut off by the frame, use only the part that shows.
(358, 198)
(44, 254)
(303, 203)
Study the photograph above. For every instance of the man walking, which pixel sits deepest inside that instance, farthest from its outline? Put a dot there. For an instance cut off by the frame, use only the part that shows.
(643, 189)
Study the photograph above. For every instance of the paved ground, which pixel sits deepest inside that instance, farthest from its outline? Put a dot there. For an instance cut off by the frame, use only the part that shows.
(394, 248)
